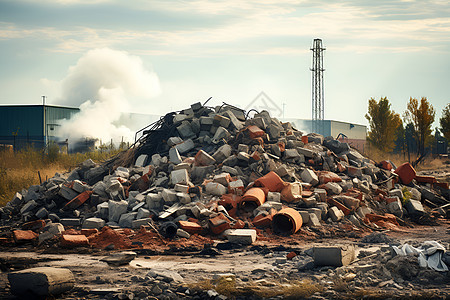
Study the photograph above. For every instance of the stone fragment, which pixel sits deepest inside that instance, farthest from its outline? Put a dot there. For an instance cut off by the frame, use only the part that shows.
(120, 258)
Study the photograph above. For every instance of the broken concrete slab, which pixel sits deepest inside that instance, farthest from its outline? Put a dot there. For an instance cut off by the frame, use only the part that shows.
(41, 282)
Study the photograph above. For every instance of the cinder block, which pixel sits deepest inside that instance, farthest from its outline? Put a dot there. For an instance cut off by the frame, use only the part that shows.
(215, 188)
(127, 219)
(174, 156)
(136, 224)
(92, 223)
(310, 177)
(179, 176)
(116, 209)
(336, 256)
(335, 214)
(241, 236)
(414, 208)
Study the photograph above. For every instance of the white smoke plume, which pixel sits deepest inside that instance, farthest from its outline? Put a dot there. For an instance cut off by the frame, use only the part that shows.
(104, 83)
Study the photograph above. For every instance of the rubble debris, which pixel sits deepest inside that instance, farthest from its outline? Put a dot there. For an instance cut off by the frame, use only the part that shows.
(336, 256)
(207, 170)
(41, 282)
(119, 258)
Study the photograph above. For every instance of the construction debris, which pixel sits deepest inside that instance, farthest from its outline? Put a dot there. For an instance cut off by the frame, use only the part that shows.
(219, 173)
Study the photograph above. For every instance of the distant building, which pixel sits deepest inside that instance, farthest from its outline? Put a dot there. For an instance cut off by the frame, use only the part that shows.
(31, 125)
(351, 133)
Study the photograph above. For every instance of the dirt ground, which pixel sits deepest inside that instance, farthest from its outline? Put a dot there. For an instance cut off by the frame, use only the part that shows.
(261, 270)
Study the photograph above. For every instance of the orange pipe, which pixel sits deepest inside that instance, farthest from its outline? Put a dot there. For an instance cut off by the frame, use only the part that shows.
(254, 197)
(271, 181)
(287, 221)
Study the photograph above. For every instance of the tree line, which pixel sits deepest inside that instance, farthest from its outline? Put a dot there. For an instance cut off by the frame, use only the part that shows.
(410, 134)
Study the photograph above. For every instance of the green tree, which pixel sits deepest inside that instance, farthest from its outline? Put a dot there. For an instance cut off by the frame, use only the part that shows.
(445, 122)
(421, 115)
(383, 123)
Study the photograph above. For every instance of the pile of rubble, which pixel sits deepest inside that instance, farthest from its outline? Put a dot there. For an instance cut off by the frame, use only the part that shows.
(217, 172)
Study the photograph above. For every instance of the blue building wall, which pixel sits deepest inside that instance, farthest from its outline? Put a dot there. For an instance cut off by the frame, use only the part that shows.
(23, 125)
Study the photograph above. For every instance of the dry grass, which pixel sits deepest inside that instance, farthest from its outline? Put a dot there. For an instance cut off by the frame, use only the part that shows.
(429, 163)
(20, 170)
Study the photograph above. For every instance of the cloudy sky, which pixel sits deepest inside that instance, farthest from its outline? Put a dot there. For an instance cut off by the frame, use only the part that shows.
(229, 50)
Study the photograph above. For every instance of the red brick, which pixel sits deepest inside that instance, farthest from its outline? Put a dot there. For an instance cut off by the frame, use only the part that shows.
(341, 206)
(219, 224)
(426, 179)
(72, 241)
(78, 200)
(34, 225)
(406, 173)
(255, 131)
(22, 236)
(190, 227)
(262, 221)
(291, 255)
(89, 232)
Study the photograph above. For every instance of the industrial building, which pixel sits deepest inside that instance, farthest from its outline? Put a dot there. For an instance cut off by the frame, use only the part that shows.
(31, 125)
(353, 134)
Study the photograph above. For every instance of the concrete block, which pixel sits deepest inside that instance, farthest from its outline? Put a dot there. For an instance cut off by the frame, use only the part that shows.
(321, 195)
(215, 188)
(92, 223)
(274, 131)
(310, 177)
(305, 216)
(169, 196)
(142, 213)
(179, 176)
(122, 172)
(333, 188)
(236, 187)
(116, 209)
(184, 198)
(203, 159)
(172, 141)
(29, 206)
(274, 196)
(395, 207)
(221, 133)
(291, 154)
(222, 153)
(313, 220)
(241, 236)
(335, 214)
(126, 220)
(70, 222)
(141, 161)
(396, 193)
(362, 211)
(136, 224)
(185, 130)
(113, 186)
(103, 210)
(67, 193)
(336, 256)
(222, 178)
(174, 156)
(221, 121)
(41, 282)
(305, 152)
(414, 208)
(154, 201)
(185, 146)
(316, 211)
